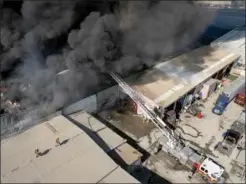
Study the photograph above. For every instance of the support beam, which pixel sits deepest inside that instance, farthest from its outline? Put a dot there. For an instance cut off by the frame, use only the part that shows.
(174, 107)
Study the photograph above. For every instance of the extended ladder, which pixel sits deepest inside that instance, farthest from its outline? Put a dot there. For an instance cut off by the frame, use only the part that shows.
(136, 97)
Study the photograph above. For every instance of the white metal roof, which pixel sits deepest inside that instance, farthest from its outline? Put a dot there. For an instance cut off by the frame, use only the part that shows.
(128, 153)
(167, 82)
(233, 41)
(80, 160)
(88, 120)
(113, 140)
(109, 139)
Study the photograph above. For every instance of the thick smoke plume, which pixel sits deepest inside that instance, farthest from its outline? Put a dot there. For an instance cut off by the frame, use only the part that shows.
(48, 37)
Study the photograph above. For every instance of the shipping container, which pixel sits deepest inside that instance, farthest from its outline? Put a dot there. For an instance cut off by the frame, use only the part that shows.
(237, 86)
(208, 88)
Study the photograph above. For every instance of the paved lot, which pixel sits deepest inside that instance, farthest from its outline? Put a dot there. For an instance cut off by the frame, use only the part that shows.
(207, 132)
(202, 134)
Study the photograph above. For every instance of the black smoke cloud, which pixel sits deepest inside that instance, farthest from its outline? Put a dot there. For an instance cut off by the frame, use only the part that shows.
(48, 19)
(133, 35)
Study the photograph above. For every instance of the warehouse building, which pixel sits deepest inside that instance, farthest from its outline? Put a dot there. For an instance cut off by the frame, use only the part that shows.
(78, 158)
(174, 83)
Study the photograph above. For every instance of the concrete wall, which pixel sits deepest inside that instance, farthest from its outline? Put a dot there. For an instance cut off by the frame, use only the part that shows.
(89, 104)
(97, 102)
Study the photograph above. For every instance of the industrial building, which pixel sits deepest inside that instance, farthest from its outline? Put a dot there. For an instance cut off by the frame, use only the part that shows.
(78, 158)
(169, 83)
(98, 154)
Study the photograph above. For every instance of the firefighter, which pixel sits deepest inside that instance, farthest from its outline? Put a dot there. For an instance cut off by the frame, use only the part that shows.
(58, 143)
(193, 170)
(37, 153)
(162, 112)
(145, 119)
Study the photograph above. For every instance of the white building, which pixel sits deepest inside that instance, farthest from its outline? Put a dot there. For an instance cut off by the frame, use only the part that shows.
(78, 160)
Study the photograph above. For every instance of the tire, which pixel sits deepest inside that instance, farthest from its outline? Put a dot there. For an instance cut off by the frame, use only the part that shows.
(177, 159)
(204, 178)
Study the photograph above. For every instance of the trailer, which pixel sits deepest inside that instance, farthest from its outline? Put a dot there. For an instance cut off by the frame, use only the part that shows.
(228, 94)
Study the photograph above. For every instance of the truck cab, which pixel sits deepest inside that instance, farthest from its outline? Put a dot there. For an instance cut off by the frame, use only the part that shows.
(240, 99)
(210, 170)
(220, 105)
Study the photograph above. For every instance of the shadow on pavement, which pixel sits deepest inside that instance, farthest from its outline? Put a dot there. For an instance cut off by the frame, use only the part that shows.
(147, 176)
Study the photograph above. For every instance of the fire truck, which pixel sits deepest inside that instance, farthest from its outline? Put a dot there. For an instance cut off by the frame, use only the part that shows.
(209, 169)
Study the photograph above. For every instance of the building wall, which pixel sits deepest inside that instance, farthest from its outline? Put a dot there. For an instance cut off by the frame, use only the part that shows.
(97, 102)
(89, 104)
(135, 165)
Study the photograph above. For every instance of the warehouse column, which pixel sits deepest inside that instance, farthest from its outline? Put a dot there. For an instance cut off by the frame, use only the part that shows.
(118, 91)
(174, 106)
(183, 102)
(216, 77)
